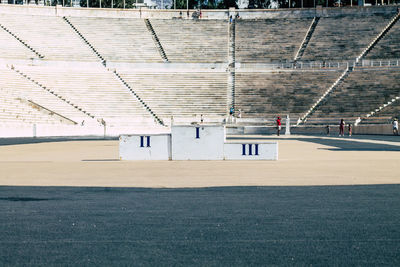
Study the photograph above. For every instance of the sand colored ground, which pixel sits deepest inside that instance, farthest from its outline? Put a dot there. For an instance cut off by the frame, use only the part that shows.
(302, 161)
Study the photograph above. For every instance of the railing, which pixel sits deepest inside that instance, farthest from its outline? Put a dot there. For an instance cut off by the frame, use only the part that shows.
(51, 112)
(141, 3)
(321, 65)
(385, 63)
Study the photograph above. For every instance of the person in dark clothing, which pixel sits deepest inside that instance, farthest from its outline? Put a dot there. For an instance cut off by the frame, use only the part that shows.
(231, 111)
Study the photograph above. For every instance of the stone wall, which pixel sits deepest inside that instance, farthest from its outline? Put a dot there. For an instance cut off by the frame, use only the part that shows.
(384, 129)
(206, 14)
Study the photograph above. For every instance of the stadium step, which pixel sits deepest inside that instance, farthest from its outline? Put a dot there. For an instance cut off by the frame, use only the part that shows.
(52, 112)
(103, 61)
(325, 96)
(378, 37)
(335, 85)
(231, 65)
(156, 118)
(21, 41)
(306, 40)
(378, 110)
(51, 92)
(156, 40)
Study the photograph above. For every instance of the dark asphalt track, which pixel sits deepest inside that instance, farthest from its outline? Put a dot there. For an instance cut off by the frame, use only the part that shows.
(233, 226)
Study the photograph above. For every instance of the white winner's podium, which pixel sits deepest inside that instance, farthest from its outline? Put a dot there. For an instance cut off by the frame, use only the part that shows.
(193, 142)
(145, 147)
(198, 142)
(251, 151)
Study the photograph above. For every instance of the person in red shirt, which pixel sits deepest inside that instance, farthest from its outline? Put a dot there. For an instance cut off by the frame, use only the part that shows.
(341, 127)
(278, 125)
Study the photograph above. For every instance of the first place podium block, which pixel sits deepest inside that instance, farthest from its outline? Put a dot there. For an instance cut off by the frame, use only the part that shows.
(198, 142)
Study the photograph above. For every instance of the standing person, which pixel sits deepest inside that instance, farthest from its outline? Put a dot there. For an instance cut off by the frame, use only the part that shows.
(231, 115)
(328, 130)
(341, 128)
(350, 129)
(278, 125)
(395, 127)
(231, 111)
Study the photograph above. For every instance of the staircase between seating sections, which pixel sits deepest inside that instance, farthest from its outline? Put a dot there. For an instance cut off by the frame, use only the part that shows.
(377, 110)
(156, 118)
(21, 41)
(378, 37)
(103, 61)
(306, 40)
(231, 65)
(156, 40)
(15, 108)
(52, 92)
(50, 112)
(349, 70)
(325, 95)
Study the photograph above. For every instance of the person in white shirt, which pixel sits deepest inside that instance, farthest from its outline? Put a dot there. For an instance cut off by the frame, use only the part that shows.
(395, 127)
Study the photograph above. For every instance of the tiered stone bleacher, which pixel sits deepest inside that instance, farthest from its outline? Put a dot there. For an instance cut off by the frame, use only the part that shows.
(282, 92)
(17, 110)
(50, 36)
(392, 111)
(181, 94)
(345, 37)
(389, 46)
(20, 87)
(10, 48)
(363, 91)
(271, 40)
(96, 91)
(386, 115)
(174, 92)
(118, 39)
(193, 40)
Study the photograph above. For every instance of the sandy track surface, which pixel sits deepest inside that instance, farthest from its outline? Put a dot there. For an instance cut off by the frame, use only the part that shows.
(302, 161)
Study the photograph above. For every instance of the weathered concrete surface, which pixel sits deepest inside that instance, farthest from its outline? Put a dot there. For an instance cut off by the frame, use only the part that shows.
(206, 14)
(302, 161)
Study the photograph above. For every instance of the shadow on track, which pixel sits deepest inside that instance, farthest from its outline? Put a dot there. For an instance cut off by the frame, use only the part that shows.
(222, 226)
(349, 145)
(24, 199)
(346, 144)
